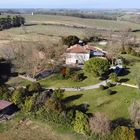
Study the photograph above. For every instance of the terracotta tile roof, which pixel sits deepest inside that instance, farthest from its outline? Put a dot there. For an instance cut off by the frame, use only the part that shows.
(4, 104)
(83, 49)
(76, 49)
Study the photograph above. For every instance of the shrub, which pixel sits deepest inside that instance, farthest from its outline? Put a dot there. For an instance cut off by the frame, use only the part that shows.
(128, 50)
(52, 116)
(70, 40)
(109, 91)
(78, 77)
(123, 133)
(102, 87)
(57, 95)
(122, 50)
(28, 105)
(4, 93)
(81, 124)
(96, 66)
(66, 72)
(109, 84)
(18, 97)
(113, 77)
(34, 87)
(54, 105)
(100, 124)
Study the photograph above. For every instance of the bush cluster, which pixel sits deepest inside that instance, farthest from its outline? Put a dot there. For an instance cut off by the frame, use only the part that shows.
(129, 50)
(78, 77)
(102, 87)
(9, 22)
(49, 106)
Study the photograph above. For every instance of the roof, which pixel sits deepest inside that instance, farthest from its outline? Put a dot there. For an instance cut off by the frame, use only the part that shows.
(4, 104)
(84, 49)
(77, 49)
(98, 53)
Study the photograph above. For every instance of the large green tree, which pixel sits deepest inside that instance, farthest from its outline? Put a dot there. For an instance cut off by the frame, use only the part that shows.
(80, 124)
(18, 96)
(96, 66)
(70, 40)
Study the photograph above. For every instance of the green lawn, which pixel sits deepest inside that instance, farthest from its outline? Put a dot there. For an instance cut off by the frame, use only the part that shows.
(133, 69)
(115, 106)
(55, 81)
(17, 81)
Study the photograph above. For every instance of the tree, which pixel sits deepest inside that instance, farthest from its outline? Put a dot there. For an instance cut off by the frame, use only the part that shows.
(81, 124)
(8, 22)
(128, 50)
(100, 124)
(58, 95)
(96, 66)
(123, 133)
(34, 87)
(122, 50)
(113, 77)
(18, 96)
(4, 93)
(78, 77)
(70, 40)
(28, 104)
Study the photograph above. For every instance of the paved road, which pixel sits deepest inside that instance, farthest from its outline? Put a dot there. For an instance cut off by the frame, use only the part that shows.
(84, 88)
(96, 86)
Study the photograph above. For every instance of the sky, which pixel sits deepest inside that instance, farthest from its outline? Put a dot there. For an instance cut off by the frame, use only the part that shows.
(86, 4)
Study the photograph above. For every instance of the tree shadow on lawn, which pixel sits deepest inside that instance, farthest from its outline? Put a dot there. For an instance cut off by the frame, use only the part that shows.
(82, 107)
(121, 122)
(125, 72)
(137, 132)
(113, 93)
(123, 80)
(72, 98)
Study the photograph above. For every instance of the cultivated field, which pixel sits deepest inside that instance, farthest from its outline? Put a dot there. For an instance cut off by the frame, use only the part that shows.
(92, 23)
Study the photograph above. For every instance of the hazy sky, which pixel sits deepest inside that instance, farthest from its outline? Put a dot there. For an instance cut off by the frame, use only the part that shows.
(70, 4)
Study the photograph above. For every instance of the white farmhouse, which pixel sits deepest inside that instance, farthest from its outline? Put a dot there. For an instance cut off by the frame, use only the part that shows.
(77, 55)
(80, 54)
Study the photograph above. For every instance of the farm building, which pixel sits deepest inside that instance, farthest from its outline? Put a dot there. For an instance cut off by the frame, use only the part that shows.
(7, 108)
(78, 54)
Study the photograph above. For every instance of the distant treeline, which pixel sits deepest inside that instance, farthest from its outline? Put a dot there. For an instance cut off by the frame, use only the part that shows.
(93, 15)
(9, 22)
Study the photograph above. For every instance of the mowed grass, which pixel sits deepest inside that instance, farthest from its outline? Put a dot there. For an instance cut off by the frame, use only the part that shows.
(115, 106)
(133, 69)
(56, 81)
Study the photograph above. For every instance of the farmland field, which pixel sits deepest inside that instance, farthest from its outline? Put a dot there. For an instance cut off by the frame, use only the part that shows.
(51, 28)
(93, 23)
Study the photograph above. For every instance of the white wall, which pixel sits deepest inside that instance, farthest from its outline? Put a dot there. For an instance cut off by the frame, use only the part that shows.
(72, 57)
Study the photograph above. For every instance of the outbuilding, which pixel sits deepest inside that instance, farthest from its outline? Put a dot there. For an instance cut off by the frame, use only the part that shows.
(7, 108)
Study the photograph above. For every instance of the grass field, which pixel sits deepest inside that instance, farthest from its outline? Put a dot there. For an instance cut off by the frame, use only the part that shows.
(133, 69)
(34, 130)
(115, 106)
(95, 23)
(42, 31)
(56, 81)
